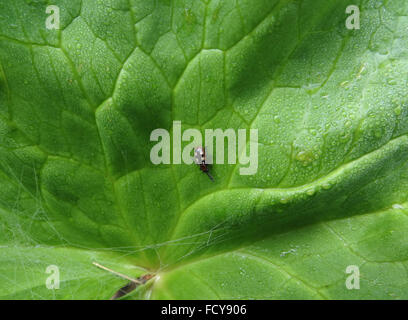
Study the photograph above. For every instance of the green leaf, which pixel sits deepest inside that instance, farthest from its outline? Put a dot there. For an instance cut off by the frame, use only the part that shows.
(77, 187)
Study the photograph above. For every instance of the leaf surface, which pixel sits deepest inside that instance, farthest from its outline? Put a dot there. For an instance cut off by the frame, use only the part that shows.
(78, 105)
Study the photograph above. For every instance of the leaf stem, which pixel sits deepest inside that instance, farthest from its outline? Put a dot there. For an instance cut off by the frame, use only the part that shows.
(117, 273)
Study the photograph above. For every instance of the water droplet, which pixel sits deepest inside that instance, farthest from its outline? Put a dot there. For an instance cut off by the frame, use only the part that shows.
(290, 251)
(397, 110)
(326, 186)
(284, 200)
(311, 192)
(305, 156)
